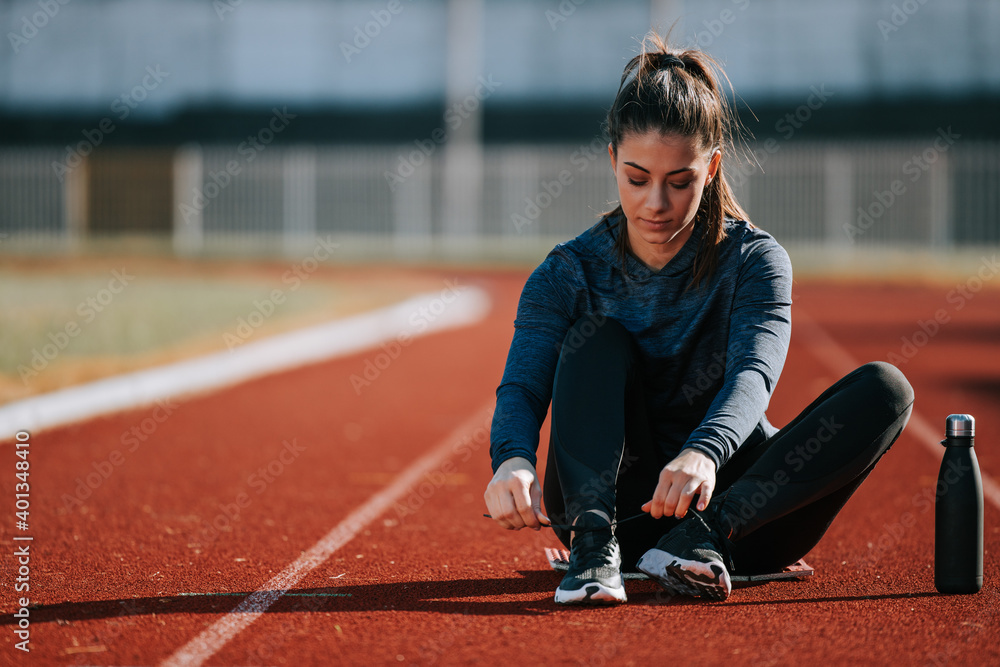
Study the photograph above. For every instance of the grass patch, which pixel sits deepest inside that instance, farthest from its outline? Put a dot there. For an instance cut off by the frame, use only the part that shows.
(62, 325)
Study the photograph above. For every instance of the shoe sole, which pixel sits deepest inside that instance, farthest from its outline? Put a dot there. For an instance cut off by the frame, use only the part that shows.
(591, 594)
(685, 577)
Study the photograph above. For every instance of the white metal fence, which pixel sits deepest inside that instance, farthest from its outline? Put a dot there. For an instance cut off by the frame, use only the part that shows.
(380, 201)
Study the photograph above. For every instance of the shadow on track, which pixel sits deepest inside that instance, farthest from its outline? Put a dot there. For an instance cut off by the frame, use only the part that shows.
(530, 595)
(844, 598)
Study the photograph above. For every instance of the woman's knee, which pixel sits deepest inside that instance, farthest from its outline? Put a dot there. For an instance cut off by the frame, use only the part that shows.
(888, 383)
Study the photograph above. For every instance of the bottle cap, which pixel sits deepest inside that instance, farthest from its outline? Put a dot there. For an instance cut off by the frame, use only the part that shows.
(960, 426)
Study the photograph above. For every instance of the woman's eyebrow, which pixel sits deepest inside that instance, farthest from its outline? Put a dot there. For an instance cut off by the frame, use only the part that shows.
(675, 171)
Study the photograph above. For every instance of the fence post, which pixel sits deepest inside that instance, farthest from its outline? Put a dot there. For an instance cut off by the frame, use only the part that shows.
(520, 175)
(299, 205)
(189, 201)
(412, 215)
(76, 203)
(465, 94)
(939, 189)
(838, 195)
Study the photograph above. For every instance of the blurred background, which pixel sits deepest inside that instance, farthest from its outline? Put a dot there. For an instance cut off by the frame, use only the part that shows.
(215, 153)
(471, 129)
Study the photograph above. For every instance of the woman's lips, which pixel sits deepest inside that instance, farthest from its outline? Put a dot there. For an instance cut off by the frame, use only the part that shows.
(656, 223)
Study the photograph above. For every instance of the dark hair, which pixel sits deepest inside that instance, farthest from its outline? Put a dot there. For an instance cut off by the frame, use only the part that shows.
(677, 92)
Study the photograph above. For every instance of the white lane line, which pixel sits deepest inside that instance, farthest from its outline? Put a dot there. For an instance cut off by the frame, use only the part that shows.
(217, 635)
(422, 314)
(833, 355)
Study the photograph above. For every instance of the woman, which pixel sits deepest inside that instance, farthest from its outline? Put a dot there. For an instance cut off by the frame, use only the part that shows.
(659, 335)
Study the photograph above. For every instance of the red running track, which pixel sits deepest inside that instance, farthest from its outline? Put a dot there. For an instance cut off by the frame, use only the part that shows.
(114, 577)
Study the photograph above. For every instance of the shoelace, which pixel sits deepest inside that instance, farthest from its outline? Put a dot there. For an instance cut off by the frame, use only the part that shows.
(721, 541)
(594, 555)
(585, 530)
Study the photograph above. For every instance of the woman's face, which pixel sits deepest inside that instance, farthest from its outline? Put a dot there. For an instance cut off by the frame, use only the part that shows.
(660, 182)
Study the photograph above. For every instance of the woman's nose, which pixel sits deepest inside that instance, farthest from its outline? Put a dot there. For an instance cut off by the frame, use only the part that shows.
(658, 199)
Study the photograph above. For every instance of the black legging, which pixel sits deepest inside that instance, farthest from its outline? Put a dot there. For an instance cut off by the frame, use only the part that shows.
(778, 496)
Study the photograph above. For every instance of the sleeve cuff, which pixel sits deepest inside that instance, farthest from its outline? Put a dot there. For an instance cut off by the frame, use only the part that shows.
(707, 451)
(500, 457)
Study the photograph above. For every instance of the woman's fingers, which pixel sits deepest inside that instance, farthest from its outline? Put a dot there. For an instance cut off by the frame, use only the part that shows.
(691, 473)
(685, 497)
(675, 493)
(515, 510)
(513, 499)
(524, 509)
(674, 498)
(536, 503)
(506, 512)
(495, 507)
(513, 496)
(705, 496)
(512, 517)
(655, 506)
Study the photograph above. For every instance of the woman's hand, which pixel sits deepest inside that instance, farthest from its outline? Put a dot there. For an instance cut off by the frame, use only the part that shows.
(690, 473)
(514, 497)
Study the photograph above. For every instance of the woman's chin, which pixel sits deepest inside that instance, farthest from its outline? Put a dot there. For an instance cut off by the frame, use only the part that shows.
(661, 237)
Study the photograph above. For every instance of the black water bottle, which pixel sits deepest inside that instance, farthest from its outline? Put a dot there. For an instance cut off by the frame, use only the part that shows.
(958, 511)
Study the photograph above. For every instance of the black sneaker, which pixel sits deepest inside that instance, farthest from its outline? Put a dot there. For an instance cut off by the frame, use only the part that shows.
(691, 559)
(595, 566)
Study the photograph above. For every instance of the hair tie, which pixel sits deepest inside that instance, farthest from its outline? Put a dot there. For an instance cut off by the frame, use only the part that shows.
(669, 60)
(661, 60)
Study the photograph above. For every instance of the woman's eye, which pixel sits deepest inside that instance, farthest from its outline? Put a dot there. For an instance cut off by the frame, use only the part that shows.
(632, 181)
(681, 186)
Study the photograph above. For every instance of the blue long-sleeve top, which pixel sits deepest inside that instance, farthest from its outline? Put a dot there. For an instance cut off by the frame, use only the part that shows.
(710, 355)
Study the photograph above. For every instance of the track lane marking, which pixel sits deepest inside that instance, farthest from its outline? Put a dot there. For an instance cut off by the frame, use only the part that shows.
(835, 357)
(220, 633)
(251, 360)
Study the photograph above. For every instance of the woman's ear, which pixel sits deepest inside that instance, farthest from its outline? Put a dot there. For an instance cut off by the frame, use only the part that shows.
(614, 160)
(713, 165)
